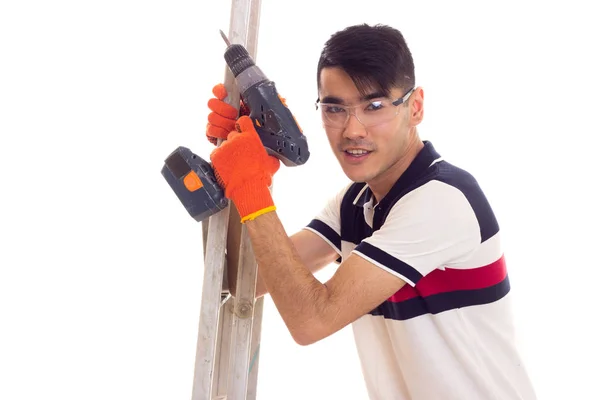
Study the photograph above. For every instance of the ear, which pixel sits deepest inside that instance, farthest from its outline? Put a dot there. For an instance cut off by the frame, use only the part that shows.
(416, 106)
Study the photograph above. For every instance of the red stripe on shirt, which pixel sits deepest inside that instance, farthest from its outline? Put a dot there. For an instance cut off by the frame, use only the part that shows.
(449, 280)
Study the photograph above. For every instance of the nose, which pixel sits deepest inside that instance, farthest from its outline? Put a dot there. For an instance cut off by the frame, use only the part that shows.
(354, 128)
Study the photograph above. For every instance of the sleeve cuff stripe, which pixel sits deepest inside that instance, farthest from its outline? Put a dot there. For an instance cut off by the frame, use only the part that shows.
(404, 278)
(383, 259)
(326, 233)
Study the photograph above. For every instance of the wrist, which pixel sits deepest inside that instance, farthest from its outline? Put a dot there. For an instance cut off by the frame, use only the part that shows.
(252, 199)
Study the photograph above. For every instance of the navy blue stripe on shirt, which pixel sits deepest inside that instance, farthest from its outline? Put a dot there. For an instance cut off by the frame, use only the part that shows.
(441, 302)
(326, 231)
(388, 261)
(466, 183)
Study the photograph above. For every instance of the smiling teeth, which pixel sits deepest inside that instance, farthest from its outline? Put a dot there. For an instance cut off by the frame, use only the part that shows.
(357, 152)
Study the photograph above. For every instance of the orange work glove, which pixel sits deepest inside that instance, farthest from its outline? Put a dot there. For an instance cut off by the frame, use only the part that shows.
(222, 117)
(245, 170)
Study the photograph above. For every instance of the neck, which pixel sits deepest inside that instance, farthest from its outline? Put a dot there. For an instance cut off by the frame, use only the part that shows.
(382, 184)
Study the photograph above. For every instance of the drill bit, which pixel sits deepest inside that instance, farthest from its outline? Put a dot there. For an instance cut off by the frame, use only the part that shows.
(225, 38)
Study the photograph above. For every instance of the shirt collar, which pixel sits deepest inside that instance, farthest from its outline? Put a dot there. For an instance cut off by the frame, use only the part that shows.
(424, 159)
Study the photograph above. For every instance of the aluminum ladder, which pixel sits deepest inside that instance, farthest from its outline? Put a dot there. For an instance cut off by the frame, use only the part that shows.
(226, 364)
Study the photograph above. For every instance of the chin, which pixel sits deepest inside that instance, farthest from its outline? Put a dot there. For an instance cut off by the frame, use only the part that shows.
(357, 174)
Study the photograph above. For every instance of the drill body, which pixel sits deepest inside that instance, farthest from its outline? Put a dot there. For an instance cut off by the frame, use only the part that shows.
(275, 124)
(193, 179)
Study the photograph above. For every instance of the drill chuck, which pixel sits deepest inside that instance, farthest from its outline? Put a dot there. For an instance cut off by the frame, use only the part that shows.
(238, 59)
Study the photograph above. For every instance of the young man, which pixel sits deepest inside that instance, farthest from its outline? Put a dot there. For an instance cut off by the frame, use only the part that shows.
(421, 275)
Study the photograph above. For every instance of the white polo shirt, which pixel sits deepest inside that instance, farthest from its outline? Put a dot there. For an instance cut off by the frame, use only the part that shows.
(448, 333)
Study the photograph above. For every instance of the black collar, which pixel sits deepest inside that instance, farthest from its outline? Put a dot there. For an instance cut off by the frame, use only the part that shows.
(422, 162)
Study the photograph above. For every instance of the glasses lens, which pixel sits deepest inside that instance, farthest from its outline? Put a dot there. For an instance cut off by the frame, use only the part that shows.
(333, 115)
(377, 112)
(371, 113)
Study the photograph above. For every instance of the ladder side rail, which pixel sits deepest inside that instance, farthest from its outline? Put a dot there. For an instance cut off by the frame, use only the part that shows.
(255, 349)
(246, 24)
(214, 263)
(215, 244)
(221, 367)
(243, 318)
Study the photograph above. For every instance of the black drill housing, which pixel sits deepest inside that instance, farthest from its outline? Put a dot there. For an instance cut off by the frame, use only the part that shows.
(275, 124)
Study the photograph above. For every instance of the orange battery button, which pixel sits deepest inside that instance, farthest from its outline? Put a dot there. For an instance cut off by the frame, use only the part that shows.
(192, 181)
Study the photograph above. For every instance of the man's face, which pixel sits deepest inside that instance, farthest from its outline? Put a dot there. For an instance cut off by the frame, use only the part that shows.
(364, 153)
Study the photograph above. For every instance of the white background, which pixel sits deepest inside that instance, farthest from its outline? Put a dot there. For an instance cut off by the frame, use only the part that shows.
(101, 267)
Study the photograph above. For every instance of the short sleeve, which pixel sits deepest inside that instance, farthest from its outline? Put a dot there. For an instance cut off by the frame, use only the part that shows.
(426, 229)
(327, 223)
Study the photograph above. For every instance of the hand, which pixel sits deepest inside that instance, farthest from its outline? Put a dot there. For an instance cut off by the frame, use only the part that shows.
(222, 118)
(245, 170)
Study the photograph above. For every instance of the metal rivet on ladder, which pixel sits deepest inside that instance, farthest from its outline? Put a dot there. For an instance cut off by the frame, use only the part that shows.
(244, 309)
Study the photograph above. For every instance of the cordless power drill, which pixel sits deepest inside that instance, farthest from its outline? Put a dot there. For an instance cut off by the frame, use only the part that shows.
(193, 179)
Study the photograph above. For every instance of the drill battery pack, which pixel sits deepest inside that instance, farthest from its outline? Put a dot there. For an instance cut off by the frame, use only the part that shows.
(194, 182)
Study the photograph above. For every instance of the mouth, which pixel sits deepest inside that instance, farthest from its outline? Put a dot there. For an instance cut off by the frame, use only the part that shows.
(356, 155)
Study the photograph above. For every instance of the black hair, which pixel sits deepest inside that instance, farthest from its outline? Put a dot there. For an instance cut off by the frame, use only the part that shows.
(376, 57)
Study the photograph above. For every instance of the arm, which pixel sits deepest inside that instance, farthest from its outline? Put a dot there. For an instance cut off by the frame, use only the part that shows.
(310, 309)
(317, 246)
(420, 234)
(313, 251)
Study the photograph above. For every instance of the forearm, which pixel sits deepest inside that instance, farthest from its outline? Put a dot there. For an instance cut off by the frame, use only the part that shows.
(314, 255)
(314, 265)
(297, 294)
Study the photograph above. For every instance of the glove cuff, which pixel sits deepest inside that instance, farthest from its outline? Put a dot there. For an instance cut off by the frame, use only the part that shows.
(252, 200)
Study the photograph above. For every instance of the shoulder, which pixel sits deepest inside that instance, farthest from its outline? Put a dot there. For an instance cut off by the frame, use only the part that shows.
(446, 193)
(443, 178)
(464, 182)
(434, 206)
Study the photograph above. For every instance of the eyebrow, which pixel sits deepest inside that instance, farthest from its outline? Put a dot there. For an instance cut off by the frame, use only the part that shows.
(338, 100)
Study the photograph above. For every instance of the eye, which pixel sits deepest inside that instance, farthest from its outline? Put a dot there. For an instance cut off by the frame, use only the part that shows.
(375, 106)
(333, 109)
